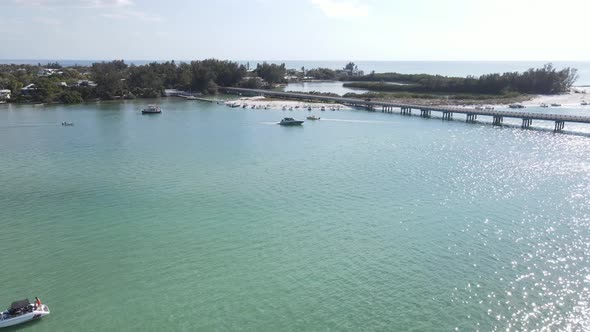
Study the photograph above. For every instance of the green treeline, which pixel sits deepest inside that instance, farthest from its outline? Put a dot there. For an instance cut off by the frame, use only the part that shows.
(546, 80)
(116, 79)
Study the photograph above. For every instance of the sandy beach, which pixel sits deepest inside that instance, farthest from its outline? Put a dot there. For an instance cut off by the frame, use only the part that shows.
(572, 99)
(566, 99)
(260, 102)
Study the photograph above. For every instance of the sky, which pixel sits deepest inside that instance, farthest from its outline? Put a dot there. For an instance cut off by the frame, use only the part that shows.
(445, 30)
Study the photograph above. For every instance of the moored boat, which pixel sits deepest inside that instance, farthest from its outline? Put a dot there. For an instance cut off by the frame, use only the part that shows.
(151, 109)
(555, 105)
(23, 311)
(313, 117)
(290, 122)
(516, 106)
(67, 123)
(544, 105)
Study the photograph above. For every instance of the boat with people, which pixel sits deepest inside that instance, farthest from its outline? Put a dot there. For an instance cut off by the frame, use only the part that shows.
(290, 122)
(67, 123)
(152, 109)
(23, 311)
(313, 117)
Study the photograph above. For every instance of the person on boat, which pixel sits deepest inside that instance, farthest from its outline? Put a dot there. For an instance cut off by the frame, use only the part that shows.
(37, 303)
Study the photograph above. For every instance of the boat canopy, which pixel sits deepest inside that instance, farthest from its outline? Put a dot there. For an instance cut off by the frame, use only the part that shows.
(20, 304)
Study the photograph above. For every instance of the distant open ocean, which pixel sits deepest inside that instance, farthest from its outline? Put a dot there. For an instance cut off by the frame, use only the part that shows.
(446, 68)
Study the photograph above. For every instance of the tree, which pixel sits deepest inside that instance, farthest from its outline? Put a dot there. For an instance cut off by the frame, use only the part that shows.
(271, 73)
(109, 77)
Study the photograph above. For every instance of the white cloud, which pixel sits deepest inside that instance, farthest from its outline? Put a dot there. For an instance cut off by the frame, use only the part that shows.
(341, 9)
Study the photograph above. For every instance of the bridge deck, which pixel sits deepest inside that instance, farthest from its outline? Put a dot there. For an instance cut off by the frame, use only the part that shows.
(468, 111)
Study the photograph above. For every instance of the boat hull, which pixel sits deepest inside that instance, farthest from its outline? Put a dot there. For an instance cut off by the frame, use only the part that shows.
(292, 123)
(150, 112)
(29, 316)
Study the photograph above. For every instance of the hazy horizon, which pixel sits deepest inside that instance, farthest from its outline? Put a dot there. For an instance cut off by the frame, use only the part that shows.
(304, 30)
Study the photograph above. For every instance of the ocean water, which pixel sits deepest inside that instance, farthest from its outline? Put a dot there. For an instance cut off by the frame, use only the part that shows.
(212, 218)
(446, 68)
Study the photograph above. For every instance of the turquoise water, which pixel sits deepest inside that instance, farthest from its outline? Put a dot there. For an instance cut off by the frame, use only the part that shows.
(212, 218)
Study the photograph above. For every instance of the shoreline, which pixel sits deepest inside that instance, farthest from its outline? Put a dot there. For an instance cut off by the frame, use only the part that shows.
(574, 98)
(261, 102)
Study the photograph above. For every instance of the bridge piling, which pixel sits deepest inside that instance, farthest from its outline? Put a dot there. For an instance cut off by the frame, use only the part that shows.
(559, 126)
(447, 115)
(498, 119)
(471, 118)
(526, 123)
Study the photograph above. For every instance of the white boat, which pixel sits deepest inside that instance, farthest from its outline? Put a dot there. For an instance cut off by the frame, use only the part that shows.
(152, 109)
(290, 122)
(21, 312)
(544, 105)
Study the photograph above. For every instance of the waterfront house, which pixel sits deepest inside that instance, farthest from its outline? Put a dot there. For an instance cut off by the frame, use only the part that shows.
(85, 83)
(4, 94)
(29, 89)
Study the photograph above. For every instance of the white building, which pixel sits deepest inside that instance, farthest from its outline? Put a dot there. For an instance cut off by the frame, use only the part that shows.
(29, 89)
(4, 94)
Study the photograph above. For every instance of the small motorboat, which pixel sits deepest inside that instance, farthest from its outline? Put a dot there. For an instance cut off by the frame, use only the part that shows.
(309, 108)
(23, 311)
(67, 123)
(584, 103)
(151, 109)
(556, 105)
(290, 122)
(516, 106)
(313, 117)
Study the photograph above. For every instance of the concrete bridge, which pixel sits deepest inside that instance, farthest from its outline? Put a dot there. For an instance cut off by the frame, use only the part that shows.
(425, 111)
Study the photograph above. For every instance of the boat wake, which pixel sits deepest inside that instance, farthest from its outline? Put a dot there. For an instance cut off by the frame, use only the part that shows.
(356, 121)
